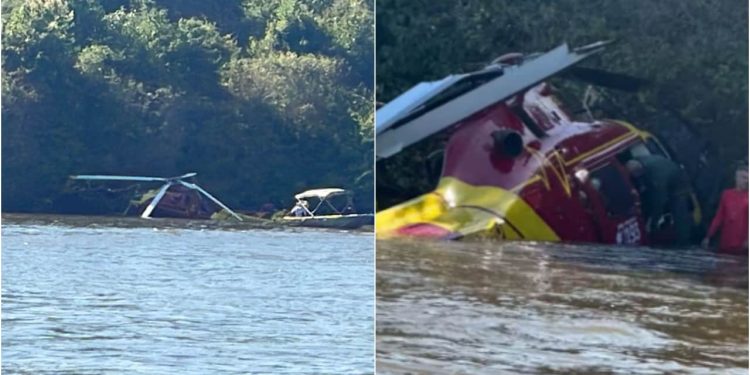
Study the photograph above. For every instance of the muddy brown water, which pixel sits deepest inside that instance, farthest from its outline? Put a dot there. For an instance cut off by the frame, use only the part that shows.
(515, 308)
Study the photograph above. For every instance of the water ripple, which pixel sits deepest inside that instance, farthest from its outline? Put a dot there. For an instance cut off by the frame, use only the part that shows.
(80, 298)
(489, 308)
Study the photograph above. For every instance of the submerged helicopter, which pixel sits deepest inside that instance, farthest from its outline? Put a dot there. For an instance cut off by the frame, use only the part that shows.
(516, 165)
(177, 197)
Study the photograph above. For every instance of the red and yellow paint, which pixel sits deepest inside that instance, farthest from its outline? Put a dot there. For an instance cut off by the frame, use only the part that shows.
(532, 196)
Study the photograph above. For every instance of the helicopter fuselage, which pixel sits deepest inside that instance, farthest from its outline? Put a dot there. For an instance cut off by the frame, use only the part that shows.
(567, 181)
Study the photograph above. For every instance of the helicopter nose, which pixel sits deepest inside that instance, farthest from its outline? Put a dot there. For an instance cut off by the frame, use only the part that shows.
(437, 215)
(456, 210)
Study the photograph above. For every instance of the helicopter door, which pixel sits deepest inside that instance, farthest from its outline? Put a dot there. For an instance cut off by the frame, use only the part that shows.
(615, 206)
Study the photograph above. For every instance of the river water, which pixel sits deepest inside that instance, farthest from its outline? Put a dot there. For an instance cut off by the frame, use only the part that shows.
(131, 296)
(495, 308)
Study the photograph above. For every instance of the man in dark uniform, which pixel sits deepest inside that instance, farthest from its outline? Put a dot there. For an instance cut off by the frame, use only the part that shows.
(665, 194)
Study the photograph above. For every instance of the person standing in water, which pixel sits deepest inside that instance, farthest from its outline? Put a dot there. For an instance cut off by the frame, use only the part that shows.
(731, 217)
(664, 193)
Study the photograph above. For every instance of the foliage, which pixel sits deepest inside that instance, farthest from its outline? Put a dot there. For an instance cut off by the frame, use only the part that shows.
(261, 98)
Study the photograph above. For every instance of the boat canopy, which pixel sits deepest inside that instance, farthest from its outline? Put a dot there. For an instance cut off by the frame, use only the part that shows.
(321, 193)
(323, 196)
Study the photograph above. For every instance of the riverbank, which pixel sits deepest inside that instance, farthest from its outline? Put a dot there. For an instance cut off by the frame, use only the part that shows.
(161, 223)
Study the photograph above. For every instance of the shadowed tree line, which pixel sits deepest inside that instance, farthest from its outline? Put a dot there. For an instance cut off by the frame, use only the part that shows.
(693, 54)
(262, 98)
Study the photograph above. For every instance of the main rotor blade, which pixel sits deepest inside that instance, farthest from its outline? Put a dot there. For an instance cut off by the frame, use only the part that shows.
(211, 197)
(599, 77)
(116, 178)
(147, 212)
(186, 175)
(421, 111)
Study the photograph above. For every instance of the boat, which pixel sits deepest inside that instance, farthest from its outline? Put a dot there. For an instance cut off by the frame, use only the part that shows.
(327, 208)
(516, 165)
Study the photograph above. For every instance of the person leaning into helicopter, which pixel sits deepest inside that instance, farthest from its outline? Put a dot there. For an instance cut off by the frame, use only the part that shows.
(664, 192)
(731, 217)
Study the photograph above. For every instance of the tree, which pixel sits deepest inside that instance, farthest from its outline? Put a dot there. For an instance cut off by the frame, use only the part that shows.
(242, 92)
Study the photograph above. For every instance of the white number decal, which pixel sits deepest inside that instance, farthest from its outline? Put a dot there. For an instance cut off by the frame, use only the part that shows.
(628, 232)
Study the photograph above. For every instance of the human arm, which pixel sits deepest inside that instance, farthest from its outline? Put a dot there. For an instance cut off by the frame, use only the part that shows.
(717, 221)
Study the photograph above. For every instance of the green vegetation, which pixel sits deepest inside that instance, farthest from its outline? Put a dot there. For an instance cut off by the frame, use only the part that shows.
(693, 52)
(262, 98)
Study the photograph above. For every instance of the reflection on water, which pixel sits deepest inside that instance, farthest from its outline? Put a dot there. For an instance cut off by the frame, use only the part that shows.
(467, 308)
(145, 297)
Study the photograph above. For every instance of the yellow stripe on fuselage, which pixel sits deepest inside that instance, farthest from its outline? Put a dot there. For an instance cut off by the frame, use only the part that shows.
(600, 148)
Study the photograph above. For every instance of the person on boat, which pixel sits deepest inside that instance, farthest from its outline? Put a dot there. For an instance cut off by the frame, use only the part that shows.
(731, 217)
(299, 209)
(349, 208)
(665, 194)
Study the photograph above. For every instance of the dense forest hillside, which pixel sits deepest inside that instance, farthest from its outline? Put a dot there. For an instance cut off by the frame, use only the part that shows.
(692, 53)
(261, 98)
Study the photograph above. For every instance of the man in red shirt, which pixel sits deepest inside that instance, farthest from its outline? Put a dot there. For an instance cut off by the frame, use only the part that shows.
(731, 218)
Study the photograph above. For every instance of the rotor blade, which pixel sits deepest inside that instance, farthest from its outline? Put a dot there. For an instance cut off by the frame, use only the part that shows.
(147, 212)
(423, 111)
(598, 77)
(211, 197)
(186, 175)
(116, 178)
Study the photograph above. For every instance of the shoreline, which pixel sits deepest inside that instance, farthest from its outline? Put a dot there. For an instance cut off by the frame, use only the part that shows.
(160, 223)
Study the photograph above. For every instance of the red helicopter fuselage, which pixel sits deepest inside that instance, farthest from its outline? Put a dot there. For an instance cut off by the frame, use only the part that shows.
(565, 182)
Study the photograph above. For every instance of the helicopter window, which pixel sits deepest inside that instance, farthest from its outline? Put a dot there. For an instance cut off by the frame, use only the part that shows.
(614, 189)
